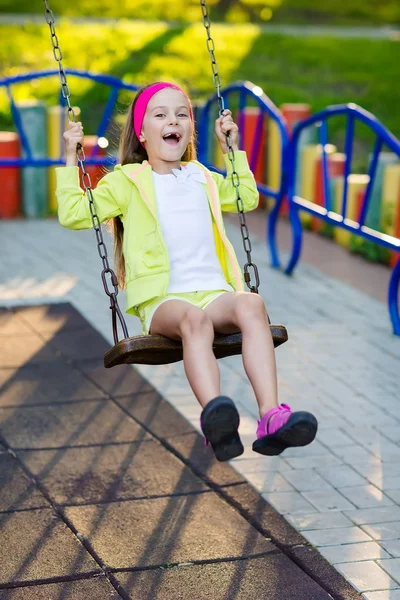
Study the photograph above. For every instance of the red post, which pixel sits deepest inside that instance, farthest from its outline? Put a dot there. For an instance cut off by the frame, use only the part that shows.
(10, 202)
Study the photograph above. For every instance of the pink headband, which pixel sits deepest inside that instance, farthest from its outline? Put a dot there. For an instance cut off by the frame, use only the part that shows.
(144, 99)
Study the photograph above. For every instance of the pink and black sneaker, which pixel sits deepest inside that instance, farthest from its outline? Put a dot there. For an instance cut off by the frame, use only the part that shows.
(280, 428)
(220, 423)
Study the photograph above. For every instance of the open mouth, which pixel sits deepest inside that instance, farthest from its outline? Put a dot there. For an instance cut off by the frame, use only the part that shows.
(172, 138)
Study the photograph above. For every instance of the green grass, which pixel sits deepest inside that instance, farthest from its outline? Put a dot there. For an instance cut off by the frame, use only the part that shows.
(318, 71)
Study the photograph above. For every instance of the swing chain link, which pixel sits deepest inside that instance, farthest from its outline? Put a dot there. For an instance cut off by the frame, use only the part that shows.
(87, 184)
(250, 266)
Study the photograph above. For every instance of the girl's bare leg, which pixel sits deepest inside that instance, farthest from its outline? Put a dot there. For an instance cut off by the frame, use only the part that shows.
(180, 320)
(246, 312)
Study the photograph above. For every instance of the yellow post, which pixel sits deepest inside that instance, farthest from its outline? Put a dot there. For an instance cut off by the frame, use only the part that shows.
(55, 127)
(310, 154)
(274, 155)
(390, 198)
(357, 185)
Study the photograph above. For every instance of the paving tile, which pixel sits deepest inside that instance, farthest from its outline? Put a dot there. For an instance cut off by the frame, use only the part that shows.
(269, 481)
(51, 317)
(384, 514)
(243, 580)
(392, 546)
(342, 476)
(17, 351)
(10, 324)
(269, 522)
(38, 384)
(95, 422)
(262, 463)
(288, 502)
(366, 576)
(324, 500)
(347, 553)
(314, 462)
(85, 344)
(167, 530)
(391, 566)
(333, 537)
(335, 437)
(155, 413)
(367, 496)
(30, 548)
(201, 458)
(306, 480)
(17, 491)
(121, 380)
(108, 473)
(97, 588)
(356, 454)
(383, 531)
(327, 520)
(383, 595)
(377, 473)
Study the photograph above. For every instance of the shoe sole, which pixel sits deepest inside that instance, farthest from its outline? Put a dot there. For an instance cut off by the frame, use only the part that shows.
(220, 424)
(300, 430)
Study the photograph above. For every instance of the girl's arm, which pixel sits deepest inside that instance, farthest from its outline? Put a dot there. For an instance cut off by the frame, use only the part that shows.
(73, 205)
(247, 188)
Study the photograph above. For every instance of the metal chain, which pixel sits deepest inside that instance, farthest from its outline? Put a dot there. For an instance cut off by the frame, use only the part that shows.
(234, 176)
(87, 184)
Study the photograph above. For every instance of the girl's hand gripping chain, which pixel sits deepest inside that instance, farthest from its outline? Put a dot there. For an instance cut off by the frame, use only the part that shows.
(223, 125)
(72, 137)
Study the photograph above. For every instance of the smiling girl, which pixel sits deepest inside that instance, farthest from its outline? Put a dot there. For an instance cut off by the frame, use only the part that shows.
(173, 256)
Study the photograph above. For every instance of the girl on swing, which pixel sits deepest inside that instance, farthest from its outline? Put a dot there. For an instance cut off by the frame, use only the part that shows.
(180, 271)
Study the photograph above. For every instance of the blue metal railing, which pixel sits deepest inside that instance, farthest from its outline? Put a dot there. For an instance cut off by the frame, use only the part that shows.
(248, 91)
(115, 84)
(325, 212)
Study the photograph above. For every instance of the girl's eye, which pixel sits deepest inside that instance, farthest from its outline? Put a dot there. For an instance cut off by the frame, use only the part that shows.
(160, 115)
(182, 115)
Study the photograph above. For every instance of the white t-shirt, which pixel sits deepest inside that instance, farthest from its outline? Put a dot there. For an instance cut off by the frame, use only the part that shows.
(186, 225)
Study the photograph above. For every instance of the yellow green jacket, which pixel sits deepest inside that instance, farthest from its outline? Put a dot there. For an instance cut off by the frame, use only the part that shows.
(128, 193)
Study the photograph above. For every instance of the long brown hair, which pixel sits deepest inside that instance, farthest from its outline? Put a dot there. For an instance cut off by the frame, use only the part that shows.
(132, 151)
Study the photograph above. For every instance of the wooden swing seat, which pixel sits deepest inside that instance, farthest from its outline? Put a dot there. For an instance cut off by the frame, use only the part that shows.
(159, 350)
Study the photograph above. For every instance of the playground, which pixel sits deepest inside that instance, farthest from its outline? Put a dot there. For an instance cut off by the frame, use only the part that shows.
(106, 487)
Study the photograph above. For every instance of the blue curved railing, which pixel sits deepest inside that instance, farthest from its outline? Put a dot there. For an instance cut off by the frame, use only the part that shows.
(115, 84)
(326, 212)
(248, 91)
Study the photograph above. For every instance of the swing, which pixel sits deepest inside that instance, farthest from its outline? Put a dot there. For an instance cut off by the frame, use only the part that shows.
(156, 349)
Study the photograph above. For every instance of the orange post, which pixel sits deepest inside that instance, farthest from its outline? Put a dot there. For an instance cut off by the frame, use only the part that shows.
(10, 202)
(293, 113)
(250, 119)
(96, 172)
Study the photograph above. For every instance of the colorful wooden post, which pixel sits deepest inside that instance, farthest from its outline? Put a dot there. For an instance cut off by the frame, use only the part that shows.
(10, 198)
(390, 215)
(357, 185)
(309, 158)
(34, 179)
(57, 121)
(336, 168)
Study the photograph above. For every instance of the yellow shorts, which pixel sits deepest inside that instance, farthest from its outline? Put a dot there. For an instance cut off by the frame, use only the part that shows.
(200, 299)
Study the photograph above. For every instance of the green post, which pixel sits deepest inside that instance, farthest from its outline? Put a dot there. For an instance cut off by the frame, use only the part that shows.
(34, 179)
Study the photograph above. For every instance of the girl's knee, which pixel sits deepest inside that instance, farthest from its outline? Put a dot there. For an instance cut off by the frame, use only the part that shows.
(250, 306)
(196, 321)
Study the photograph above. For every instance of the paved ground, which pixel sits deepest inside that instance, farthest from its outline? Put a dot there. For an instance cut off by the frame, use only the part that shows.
(341, 362)
(107, 492)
